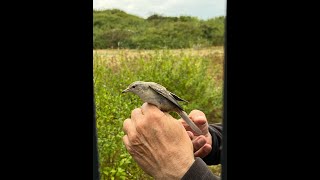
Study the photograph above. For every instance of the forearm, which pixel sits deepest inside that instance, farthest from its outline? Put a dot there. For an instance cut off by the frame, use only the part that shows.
(199, 170)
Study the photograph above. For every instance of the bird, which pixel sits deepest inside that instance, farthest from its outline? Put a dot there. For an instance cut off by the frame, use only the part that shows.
(155, 94)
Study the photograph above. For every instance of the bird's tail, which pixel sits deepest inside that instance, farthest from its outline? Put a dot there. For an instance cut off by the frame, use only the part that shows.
(189, 122)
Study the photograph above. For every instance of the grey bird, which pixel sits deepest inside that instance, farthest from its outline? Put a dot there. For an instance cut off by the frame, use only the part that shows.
(159, 96)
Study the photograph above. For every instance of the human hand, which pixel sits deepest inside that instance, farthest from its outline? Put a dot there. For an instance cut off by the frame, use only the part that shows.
(202, 144)
(158, 143)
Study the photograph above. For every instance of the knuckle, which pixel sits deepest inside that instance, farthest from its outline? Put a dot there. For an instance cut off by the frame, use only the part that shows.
(129, 149)
(125, 124)
(135, 139)
(141, 126)
(132, 151)
(156, 115)
(135, 111)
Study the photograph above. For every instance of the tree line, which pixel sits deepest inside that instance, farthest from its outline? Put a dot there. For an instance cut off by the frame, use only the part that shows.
(115, 28)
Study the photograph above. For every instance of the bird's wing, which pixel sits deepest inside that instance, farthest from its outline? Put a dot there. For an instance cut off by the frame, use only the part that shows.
(165, 93)
(177, 97)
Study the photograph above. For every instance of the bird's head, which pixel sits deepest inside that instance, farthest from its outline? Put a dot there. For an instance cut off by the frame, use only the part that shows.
(136, 87)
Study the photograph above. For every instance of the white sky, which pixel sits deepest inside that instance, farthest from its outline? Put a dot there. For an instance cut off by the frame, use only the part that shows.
(202, 9)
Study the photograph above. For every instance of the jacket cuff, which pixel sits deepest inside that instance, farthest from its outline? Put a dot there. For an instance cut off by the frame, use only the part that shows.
(213, 158)
(199, 170)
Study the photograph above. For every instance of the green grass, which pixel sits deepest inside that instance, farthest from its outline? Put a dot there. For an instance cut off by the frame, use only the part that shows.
(194, 75)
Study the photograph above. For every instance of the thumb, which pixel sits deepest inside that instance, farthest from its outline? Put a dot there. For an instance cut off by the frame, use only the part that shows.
(198, 117)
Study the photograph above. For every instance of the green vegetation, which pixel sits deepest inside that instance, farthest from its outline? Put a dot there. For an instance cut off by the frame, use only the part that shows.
(194, 75)
(117, 29)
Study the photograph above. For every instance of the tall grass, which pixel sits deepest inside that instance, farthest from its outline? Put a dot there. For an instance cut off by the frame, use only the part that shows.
(193, 75)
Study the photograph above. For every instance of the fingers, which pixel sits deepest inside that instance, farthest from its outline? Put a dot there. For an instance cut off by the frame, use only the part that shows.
(126, 141)
(200, 120)
(136, 114)
(201, 146)
(185, 125)
(128, 127)
(198, 117)
(128, 146)
(148, 109)
(203, 151)
(199, 142)
(190, 134)
(196, 113)
(132, 136)
(152, 113)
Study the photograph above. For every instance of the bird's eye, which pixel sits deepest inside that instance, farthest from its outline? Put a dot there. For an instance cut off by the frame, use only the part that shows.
(133, 86)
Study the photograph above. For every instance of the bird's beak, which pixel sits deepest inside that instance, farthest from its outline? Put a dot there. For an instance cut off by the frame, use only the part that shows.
(126, 90)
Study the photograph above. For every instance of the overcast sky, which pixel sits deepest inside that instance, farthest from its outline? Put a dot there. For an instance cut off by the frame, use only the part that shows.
(202, 9)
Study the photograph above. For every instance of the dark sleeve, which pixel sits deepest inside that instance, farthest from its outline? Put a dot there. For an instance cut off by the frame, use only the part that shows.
(199, 170)
(213, 158)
